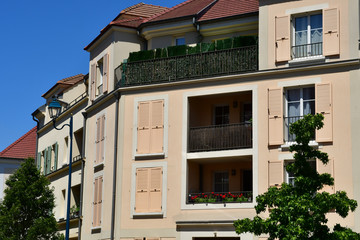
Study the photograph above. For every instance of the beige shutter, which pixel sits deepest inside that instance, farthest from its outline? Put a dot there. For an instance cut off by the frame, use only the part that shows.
(143, 133)
(331, 43)
(328, 168)
(105, 73)
(282, 35)
(56, 151)
(275, 111)
(97, 141)
(142, 190)
(152, 238)
(93, 81)
(99, 200)
(95, 203)
(276, 173)
(102, 138)
(157, 126)
(324, 106)
(155, 190)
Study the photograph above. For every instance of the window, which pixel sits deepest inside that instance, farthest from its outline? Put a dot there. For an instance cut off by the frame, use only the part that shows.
(99, 75)
(308, 32)
(100, 140)
(148, 196)
(97, 203)
(221, 181)
(313, 34)
(299, 102)
(289, 177)
(150, 127)
(48, 158)
(180, 41)
(221, 115)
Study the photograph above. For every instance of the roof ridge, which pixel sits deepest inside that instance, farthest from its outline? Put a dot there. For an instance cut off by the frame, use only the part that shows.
(17, 141)
(168, 10)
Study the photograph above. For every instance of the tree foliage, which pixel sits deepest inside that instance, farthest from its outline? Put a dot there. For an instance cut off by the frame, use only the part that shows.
(26, 211)
(299, 211)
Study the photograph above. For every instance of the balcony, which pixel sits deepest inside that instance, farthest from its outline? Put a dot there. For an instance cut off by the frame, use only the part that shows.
(220, 180)
(307, 50)
(190, 66)
(220, 137)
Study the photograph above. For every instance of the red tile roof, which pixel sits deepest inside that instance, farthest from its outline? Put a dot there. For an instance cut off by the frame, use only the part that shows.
(66, 83)
(141, 10)
(208, 9)
(22, 148)
(227, 8)
(131, 17)
(187, 8)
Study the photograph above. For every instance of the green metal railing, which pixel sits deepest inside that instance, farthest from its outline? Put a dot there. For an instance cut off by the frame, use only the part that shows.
(180, 68)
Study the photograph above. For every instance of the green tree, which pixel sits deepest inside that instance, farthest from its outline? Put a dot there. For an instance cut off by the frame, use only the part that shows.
(26, 211)
(299, 211)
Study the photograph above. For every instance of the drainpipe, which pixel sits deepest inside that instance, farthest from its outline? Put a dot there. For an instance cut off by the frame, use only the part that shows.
(117, 96)
(37, 134)
(82, 174)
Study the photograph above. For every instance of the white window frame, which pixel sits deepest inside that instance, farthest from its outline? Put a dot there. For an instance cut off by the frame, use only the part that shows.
(287, 130)
(308, 37)
(137, 165)
(164, 154)
(286, 173)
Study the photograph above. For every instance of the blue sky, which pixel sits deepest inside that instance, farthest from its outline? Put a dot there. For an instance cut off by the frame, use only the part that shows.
(42, 42)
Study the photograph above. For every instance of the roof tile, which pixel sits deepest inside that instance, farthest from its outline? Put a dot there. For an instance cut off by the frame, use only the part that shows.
(22, 148)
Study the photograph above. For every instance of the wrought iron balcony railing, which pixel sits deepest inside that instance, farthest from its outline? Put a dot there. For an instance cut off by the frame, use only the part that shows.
(171, 69)
(220, 197)
(289, 137)
(220, 137)
(307, 50)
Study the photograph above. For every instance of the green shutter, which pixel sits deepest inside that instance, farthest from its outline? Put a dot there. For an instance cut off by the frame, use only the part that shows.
(45, 161)
(56, 156)
(49, 161)
(38, 161)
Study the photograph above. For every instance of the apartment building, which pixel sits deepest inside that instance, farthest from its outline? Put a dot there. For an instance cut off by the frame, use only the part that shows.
(189, 109)
(53, 148)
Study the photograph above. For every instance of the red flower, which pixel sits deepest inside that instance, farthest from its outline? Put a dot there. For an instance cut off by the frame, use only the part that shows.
(205, 196)
(212, 192)
(223, 196)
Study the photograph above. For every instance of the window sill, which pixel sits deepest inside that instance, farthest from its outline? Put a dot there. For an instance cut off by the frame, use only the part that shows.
(150, 156)
(287, 145)
(148, 215)
(306, 61)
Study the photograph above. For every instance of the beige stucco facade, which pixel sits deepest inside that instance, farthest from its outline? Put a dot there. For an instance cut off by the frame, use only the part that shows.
(151, 149)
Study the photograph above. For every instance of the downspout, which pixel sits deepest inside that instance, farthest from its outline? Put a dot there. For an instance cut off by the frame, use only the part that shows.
(82, 175)
(117, 97)
(37, 135)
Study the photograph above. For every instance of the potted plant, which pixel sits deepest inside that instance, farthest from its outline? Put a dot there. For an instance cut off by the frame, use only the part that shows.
(74, 211)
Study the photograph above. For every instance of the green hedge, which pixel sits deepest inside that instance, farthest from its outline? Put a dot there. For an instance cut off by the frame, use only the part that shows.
(173, 51)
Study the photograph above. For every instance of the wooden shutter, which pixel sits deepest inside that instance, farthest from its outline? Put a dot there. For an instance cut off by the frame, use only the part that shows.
(38, 161)
(143, 133)
(328, 168)
(282, 38)
(102, 138)
(99, 200)
(142, 191)
(45, 161)
(97, 141)
(93, 81)
(275, 112)
(155, 190)
(324, 106)
(56, 150)
(157, 126)
(105, 72)
(331, 43)
(276, 173)
(95, 203)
